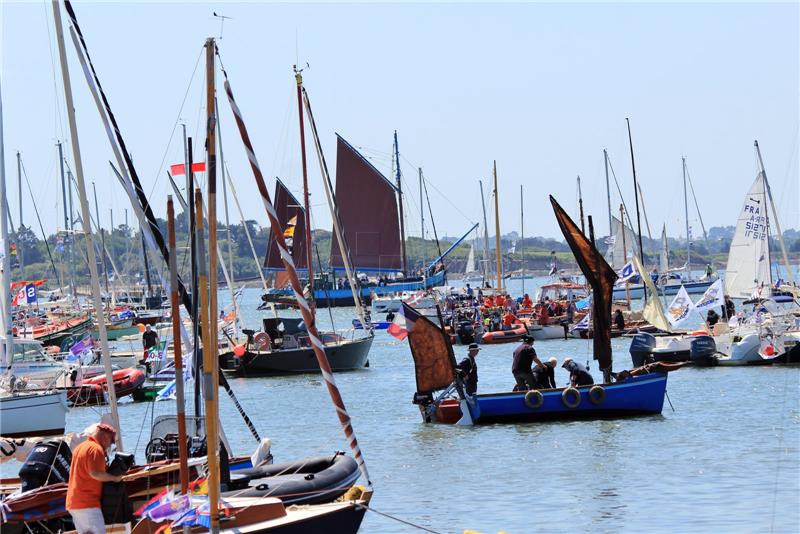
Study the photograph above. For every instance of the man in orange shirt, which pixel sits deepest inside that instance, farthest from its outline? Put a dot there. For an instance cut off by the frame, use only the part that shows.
(86, 477)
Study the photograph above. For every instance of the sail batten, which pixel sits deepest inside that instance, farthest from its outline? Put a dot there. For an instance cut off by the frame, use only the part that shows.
(292, 219)
(367, 205)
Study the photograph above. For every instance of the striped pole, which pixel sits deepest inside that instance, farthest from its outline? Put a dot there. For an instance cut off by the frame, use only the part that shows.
(305, 308)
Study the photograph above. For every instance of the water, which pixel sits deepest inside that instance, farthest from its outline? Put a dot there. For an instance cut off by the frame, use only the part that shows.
(726, 459)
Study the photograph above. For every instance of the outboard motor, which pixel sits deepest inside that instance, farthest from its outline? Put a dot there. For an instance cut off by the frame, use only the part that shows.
(703, 351)
(47, 463)
(641, 349)
(466, 333)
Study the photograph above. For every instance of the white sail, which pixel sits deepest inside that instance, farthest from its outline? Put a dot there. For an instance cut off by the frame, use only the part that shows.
(471, 260)
(664, 257)
(748, 270)
(616, 253)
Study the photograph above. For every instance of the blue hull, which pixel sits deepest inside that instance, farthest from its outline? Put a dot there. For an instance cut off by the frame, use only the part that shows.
(636, 396)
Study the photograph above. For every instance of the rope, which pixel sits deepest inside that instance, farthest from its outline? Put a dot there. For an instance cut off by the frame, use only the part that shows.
(403, 521)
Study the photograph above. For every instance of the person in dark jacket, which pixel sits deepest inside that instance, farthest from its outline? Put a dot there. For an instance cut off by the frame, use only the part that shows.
(467, 369)
(619, 320)
(729, 309)
(712, 317)
(545, 375)
(578, 375)
(524, 356)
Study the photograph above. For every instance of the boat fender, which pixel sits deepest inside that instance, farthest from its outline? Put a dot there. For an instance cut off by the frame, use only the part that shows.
(534, 399)
(571, 397)
(262, 487)
(597, 395)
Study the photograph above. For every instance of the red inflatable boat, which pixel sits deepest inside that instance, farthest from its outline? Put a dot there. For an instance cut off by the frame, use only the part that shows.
(514, 333)
(93, 390)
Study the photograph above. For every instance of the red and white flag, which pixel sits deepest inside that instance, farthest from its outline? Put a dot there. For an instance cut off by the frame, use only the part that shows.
(180, 168)
(404, 322)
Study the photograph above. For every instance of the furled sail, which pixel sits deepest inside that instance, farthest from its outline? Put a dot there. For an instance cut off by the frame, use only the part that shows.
(600, 276)
(367, 206)
(617, 253)
(470, 260)
(292, 218)
(434, 360)
(748, 269)
(663, 259)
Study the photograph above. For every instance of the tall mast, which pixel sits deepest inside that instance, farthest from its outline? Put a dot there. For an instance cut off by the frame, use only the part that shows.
(686, 215)
(20, 258)
(398, 176)
(786, 264)
(309, 245)
(636, 196)
(64, 197)
(102, 237)
(608, 192)
(497, 228)
(5, 278)
(485, 237)
(625, 255)
(580, 205)
(210, 328)
(522, 236)
(71, 241)
(87, 228)
(422, 223)
(146, 265)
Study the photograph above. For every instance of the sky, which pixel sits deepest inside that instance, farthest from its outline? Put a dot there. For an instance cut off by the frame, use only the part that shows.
(540, 88)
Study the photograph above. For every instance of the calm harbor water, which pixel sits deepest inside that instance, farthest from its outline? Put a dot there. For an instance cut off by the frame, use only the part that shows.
(727, 458)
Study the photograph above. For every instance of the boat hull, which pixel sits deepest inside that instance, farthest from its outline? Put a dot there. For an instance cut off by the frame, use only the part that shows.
(34, 415)
(344, 356)
(637, 290)
(641, 395)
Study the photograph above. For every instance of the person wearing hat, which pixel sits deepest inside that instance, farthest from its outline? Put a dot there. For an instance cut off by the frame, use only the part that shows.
(524, 356)
(467, 369)
(545, 375)
(86, 476)
(578, 375)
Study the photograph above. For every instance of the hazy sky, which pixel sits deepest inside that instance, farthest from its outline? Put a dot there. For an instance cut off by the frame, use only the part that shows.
(541, 88)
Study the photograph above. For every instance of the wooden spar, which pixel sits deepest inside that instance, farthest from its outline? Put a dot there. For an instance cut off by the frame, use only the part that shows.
(398, 176)
(86, 220)
(580, 205)
(485, 238)
(625, 256)
(176, 347)
(309, 253)
(636, 196)
(787, 265)
(211, 344)
(5, 278)
(304, 307)
(497, 229)
(337, 226)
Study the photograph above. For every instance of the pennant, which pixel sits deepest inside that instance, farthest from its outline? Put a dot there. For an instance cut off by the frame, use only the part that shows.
(170, 509)
(180, 168)
(714, 297)
(626, 273)
(680, 308)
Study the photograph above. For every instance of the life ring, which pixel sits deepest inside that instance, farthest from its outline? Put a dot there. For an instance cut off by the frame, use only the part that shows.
(597, 395)
(571, 397)
(534, 399)
(261, 341)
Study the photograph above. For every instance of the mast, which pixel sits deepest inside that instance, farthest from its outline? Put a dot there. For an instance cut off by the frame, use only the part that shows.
(522, 236)
(87, 229)
(786, 264)
(497, 229)
(625, 255)
(146, 265)
(20, 259)
(636, 196)
(309, 248)
(183, 455)
(102, 237)
(485, 237)
(686, 215)
(608, 193)
(580, 205)
(422, 225)
(398, 176)
(71, 240)
(64, 196)
(5, 278)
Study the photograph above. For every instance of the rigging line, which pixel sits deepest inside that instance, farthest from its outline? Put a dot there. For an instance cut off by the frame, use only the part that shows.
(58, 122)
(41, 227)
(175, 124)
(433, 186)
(619, 190)
(403, 521)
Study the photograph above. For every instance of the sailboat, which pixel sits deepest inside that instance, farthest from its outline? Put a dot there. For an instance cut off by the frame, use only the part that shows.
(636, 392)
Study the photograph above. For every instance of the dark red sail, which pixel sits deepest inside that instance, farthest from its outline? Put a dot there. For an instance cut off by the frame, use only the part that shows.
(367, 206)
(288, 207)
(600, 276)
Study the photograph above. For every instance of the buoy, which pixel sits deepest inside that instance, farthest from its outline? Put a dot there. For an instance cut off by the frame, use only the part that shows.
(239, 350)
(769, 350)
(140, 326)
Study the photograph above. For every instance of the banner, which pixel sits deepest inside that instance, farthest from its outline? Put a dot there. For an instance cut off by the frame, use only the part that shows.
(714, 297)
(680, 308)
(626, 273)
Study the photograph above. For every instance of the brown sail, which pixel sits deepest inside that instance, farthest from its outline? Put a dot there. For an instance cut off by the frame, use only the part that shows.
(288, 207)
(367, 205)
(434, 361)
(600, 276)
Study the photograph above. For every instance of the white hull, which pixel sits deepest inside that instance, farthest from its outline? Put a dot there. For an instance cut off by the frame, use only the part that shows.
(34, 414)
(540, 333)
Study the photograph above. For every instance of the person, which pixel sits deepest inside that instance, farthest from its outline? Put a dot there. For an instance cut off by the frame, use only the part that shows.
(544, 315)
(545, 375)
(87, 473)
(524, 356)
(470, 292)
(149, 338)
(526, 302)
(480, 296)
(712, 318)
(508, 321)
(578, 375)
(390, 317)
(619, 320)
(570, 312)
(730, 308)
(709, 271)
(467, 369)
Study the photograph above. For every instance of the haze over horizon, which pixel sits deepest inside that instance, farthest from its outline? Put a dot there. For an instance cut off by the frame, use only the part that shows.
(541, 88)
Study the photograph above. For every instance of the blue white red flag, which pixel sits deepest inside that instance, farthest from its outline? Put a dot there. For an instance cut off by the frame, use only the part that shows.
(403, 322)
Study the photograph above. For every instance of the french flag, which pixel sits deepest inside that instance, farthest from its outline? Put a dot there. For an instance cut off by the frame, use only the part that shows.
(403, 323)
